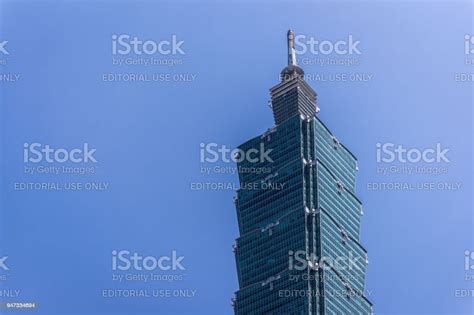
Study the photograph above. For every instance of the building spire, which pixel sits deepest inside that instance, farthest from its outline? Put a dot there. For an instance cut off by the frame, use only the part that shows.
(291, 48)
(291, 70)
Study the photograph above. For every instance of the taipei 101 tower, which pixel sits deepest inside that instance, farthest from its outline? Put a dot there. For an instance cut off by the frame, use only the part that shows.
(298, 250)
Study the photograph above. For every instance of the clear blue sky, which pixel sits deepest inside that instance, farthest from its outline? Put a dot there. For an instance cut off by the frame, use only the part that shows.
(148, 136)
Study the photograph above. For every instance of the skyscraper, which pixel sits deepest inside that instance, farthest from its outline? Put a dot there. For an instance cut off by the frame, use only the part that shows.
(298, 251)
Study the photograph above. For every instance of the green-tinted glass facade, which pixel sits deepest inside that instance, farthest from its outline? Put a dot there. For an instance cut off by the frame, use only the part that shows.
(299, 250)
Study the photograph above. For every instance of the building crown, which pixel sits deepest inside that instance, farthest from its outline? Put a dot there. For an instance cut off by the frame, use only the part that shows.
(292, 69)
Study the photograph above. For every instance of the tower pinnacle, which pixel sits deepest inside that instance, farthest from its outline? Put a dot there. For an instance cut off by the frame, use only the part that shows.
(292, 96)
(292, 69)
(291, 48)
